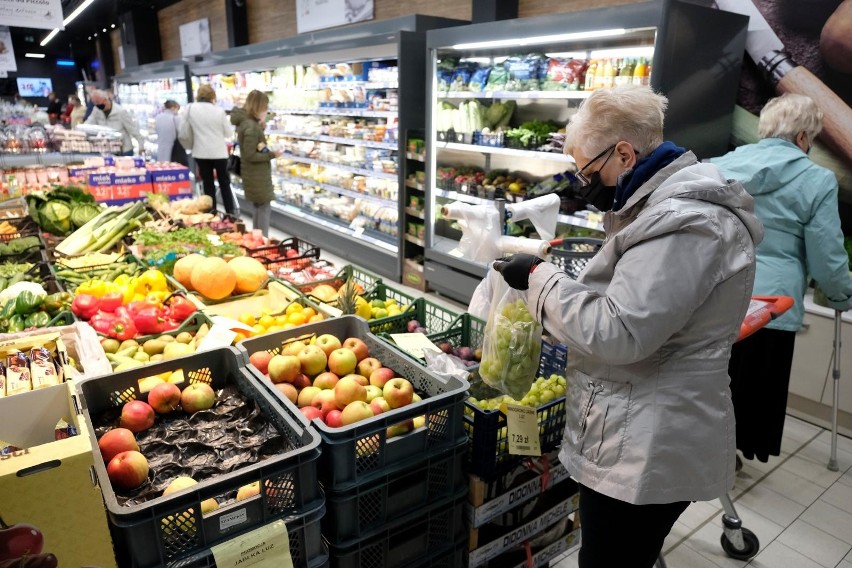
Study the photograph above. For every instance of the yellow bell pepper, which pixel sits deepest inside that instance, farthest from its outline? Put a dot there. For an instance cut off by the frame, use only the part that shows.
(152, 280)
(157, 297)
(97, 288)
(128, 288)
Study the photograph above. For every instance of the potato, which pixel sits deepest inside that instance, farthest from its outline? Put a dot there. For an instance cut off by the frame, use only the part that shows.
(835, 42)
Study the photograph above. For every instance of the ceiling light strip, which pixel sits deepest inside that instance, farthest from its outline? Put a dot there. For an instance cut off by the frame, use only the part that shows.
(71, 17)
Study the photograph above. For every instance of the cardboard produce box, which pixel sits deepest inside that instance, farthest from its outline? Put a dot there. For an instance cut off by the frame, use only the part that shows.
(49, 503)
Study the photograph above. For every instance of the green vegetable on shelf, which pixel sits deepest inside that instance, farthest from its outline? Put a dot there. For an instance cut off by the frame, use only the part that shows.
(16, 324)
(26, 303)
(37, 319)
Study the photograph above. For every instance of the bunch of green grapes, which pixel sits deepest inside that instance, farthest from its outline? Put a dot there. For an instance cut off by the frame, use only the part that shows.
(543, 390)
(512, 356)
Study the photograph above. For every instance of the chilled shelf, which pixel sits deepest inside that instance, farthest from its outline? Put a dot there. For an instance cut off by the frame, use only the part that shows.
(415, 185)
(373, 85)
(336, 189)
(362, 113)
(529, 154)
(514, 95)
(417, 157)
(358, 171)
(414, 213)
(338, 140)
(415, 240)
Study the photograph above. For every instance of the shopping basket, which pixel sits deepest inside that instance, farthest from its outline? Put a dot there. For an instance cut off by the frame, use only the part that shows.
(572, 255)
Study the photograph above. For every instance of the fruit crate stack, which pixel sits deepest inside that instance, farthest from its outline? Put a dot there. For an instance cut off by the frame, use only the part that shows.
(392, 471)
(199, 458)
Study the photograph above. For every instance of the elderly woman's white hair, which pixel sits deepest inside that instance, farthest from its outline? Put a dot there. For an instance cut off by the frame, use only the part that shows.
(788, 115)
(631, 113)
(98, 93)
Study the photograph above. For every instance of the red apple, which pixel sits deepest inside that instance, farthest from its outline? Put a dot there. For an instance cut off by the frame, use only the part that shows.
(398, 392)
(358, 346)
(373, 392)
(333, 419)
(380, 376)
(310, 412)
(360, 379)
(261, 361)
(301, 381)
(355, 412)
(21, 544)
(137, 416)
(379, 405)
(284, 368)
(128, 470)
(164, 398)
(326, 380)
(116, 441)
(327, 343)
(293, 348)
(368, 365)
(306, 396)
(342, 361)
(348, 390)
(325, 401)
(289, 391)
(313, 360)
(197, 396)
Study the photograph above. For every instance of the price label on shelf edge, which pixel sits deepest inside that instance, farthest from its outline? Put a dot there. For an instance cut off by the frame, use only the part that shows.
(522, 428)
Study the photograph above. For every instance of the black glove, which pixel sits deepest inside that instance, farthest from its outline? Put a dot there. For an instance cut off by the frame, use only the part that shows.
(516, 269)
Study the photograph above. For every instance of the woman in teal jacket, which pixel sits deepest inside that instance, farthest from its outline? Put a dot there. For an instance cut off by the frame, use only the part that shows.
(797, 202)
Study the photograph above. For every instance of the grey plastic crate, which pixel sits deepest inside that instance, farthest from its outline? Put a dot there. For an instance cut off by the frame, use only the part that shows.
(361, 452)
(166, 529)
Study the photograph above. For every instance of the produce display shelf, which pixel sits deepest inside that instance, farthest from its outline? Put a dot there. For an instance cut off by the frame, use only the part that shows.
(335, 189)
(342, 167)
(337, 140)
(500, 151)
(377, 85)
(374, 238)
(415, 185)
(415, 212)
(415, 240)
(515, 95)
(416, 157)
(354, 112)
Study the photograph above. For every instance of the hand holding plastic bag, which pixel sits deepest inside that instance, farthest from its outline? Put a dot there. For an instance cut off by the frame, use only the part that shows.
(511, 350)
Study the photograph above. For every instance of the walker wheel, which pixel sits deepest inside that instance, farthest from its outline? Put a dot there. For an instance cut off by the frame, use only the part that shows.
(752, 545)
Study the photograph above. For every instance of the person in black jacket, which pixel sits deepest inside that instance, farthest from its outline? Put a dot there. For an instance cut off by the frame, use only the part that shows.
(54, 107)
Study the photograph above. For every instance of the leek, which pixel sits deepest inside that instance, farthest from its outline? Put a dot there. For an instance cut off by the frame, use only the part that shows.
(106, 230)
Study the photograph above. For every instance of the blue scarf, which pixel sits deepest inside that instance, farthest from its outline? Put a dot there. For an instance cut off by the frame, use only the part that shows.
(665, 154)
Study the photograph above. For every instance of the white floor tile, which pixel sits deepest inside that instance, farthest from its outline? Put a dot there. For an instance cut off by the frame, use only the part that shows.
(844, 564)
(569, 561)
(707, 542)
(771, 505)
(698, 513)
(844, 444)
(830, 519)
(846, 478)
(793, 487)
(848, 557)
(685, 557)
(813, 472)
(765, 529)
(677, 535)
(800, 430)
(840, 496)
(778, 555)
(817, 545)
(819, 452)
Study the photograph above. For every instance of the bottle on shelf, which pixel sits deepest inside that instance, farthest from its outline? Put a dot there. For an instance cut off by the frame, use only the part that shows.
(590, 75)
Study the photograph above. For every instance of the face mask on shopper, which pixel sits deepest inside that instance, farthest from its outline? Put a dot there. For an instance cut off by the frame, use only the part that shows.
(597, 194)
(101, 106)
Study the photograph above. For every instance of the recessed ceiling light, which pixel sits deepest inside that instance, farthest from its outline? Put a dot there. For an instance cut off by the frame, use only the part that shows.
(90, 37)
(34, 55)
(113, 26)
(96, 34)
(104, 30)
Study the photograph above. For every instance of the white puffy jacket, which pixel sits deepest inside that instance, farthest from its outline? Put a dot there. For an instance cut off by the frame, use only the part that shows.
(211, 128)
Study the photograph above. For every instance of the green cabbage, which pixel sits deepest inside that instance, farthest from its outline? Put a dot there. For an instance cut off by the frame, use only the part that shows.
(83, 213)
(55, 217)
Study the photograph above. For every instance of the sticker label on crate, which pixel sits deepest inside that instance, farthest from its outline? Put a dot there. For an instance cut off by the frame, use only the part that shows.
(266, 547)
(548, 553)
(414, 343)
(522, 424)
(233, 519)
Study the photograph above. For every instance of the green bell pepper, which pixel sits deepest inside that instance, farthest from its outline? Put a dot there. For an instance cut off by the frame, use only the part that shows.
(27, 303)
(37, 319)
(16, 324)
(52, 303)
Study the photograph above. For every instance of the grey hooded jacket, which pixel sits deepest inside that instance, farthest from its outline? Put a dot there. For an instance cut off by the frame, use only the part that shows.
(649, 325)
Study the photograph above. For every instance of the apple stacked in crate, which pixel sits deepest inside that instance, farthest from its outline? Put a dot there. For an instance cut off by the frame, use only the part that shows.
(191, 453)
(393, 446)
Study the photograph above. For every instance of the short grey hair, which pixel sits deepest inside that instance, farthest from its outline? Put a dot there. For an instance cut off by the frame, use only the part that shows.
(99, 94)
(786, 116)
(631, 113)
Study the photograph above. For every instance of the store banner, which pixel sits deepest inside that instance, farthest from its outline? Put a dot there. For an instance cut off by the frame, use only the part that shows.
(314, 15)
(7, 54)
(46, 14)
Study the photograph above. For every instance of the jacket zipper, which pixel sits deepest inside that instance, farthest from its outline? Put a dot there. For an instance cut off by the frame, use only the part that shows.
(595, 390)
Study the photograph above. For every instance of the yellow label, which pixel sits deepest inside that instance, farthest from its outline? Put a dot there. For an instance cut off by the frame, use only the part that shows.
(522, 427)
(414, 343)
(266, 547)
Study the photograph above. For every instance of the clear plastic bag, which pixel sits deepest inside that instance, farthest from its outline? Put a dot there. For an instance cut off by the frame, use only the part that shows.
(511, 350)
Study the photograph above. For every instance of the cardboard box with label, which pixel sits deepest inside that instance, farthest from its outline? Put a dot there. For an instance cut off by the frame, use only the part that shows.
(170, 179)
(48, 499)
(99, 184)
(126, 185)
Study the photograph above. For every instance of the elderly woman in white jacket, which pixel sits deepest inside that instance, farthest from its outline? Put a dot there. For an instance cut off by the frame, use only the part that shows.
(649, 325)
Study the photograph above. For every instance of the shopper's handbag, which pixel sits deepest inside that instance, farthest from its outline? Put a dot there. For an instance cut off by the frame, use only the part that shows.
(235, 164)
(185, 135)
(178, 151)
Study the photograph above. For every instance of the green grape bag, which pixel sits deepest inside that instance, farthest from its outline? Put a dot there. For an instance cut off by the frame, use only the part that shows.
(511, 350)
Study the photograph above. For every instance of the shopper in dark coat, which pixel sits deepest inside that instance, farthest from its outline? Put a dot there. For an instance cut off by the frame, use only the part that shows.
(256, 157)
(54, 107)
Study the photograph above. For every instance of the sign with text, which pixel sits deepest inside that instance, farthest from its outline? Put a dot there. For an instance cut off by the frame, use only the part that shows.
(34, 86)
(45, 14)
(266, 547)
(7, 53)
(320, 14)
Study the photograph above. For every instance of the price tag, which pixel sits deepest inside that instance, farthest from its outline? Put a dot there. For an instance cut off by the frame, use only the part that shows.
(414, 343)
(522, 427)
(219, 336)
(266, 547)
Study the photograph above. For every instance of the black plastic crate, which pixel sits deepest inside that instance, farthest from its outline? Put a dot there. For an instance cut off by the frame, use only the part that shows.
(279, 248)
(572, 255)
(362, 452)
(33, 253)
(306, 547)
(25, 227)
(433, 317)
(365, 279)
(554, 358)
(166, 529)
(366, 509)
(300, 262)
(427, 537)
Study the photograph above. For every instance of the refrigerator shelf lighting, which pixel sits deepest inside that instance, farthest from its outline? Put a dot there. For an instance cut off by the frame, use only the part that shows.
(540, 40)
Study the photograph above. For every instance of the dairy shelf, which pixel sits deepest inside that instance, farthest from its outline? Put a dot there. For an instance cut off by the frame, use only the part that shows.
(415, 213)
(358, 171)
(374, 85)
(337, 140)
(360, 113)
(336, 189)
(500, 151)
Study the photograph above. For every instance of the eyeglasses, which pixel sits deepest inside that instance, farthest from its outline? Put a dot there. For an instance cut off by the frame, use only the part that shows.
(582, 177)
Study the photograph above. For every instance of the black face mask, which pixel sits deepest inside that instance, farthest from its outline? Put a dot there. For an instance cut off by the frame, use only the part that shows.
(597, 194)
(101, 106)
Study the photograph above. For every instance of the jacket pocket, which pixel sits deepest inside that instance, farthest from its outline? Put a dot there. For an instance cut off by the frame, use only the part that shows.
(600, 422)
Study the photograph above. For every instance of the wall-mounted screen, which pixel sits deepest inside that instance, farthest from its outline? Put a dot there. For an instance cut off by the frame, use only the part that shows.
(34, 86)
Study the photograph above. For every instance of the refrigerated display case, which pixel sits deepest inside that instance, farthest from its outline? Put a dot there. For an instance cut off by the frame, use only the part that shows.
(143, 90)
(496, 91)
(339, 100)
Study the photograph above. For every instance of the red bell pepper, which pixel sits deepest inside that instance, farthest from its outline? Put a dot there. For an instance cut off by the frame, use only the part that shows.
(123, 312)
(123, 329)
(102, 322)
(180, 308)
(150, 320)
(134, 308)
(110, 302)
(85, 306)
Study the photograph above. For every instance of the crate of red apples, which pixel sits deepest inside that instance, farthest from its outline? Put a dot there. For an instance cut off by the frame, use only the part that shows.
(191, 453)
(374, 407)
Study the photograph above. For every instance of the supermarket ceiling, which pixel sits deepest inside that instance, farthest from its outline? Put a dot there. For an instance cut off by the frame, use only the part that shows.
(99, 15)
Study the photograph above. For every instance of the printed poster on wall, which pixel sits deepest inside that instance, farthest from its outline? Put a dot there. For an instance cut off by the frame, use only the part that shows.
(7, 54)
(195, 38)
(46, 14)
(314, 15)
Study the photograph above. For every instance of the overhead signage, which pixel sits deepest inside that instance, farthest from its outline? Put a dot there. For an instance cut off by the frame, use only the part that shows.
(314, 15)
(7, 53)
(45, 14)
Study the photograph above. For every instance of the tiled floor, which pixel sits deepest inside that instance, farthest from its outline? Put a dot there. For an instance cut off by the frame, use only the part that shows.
(800, 511)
